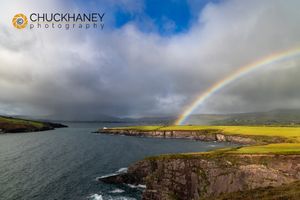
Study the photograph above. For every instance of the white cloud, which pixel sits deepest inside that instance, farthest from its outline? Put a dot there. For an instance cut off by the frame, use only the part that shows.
(130, 72)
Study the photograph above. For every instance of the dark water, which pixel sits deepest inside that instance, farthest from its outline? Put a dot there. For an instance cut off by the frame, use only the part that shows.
(64, 163)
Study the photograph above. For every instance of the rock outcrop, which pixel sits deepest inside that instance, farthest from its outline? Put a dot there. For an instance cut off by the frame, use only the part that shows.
(206, 176)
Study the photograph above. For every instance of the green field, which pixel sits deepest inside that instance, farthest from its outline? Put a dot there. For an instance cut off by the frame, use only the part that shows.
(20, 121)
(281, 148)
(15, 125)
(291, 134)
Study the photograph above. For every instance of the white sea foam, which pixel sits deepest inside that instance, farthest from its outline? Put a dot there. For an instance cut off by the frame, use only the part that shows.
(142, 186)
(137, 186)
(122, 198)
(108, 197)
(117, 191)
(122, 170)
(96, 197)
(105, 176)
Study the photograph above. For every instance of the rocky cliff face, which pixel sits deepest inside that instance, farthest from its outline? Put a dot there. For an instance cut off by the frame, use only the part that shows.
(204, 176)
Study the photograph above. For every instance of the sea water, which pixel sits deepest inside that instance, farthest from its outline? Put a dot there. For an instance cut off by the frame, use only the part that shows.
(64, 164)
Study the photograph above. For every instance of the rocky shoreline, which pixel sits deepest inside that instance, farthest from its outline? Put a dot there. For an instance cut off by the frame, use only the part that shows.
(207, 175)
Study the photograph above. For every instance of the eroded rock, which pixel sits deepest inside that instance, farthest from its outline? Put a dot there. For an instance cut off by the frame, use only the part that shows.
(203, 176)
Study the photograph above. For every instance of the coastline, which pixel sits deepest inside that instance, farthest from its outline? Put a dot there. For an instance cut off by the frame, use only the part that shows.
(201, 135)
(214, 174)
(208, 176)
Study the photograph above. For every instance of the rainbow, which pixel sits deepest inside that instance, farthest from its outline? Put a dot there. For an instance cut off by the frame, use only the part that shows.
(243, 71)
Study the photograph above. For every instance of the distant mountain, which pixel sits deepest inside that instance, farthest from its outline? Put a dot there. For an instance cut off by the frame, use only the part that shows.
(99, 118)
(286, 117)
(165, 120)
(275, 117)
(206, 119)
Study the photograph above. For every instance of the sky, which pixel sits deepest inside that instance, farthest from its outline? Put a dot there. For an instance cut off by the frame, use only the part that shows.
(153, 58)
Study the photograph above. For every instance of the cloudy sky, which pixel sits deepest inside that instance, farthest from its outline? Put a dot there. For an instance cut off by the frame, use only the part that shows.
(152, 58)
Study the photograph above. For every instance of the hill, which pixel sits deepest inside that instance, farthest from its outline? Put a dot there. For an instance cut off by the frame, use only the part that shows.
(16, 125)
(285, 117)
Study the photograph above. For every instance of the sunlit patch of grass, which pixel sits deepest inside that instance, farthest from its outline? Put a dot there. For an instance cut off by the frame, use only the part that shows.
(21, 122)
(282, 148)
(263, 130)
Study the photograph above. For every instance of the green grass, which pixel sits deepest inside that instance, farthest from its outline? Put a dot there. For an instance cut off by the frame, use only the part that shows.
(21, 122)
(281, 148)
(291, 134)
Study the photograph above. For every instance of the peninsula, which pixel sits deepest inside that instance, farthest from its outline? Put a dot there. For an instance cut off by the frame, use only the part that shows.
(266, 166)
(16, 125)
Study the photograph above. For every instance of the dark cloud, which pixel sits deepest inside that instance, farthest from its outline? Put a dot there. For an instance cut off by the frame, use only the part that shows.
(128, 72)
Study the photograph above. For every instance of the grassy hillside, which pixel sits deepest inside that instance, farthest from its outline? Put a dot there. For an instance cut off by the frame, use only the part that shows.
(15, 125)
(282, 148)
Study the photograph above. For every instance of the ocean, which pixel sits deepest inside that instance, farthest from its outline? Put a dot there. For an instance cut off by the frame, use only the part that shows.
(64, 164)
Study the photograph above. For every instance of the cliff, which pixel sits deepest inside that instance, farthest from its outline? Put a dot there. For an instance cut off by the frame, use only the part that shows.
(267, 168)
(210, 175)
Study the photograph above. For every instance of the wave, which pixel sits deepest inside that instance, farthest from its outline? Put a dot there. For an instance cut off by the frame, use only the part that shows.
(117, 191)
(137, 186)
(105, 176)
(122, 170)
(108, 197)
(118, 172)
(96, 197)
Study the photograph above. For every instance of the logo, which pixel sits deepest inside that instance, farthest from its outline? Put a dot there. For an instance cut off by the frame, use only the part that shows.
(20, 21)
(65, 21)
